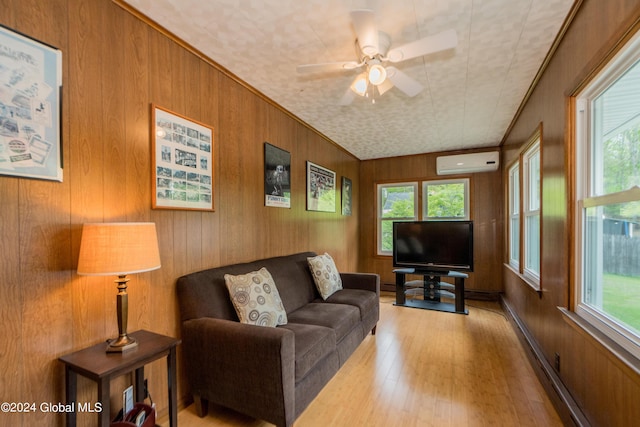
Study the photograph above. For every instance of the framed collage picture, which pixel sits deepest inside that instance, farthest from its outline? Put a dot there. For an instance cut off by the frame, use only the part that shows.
(30, 107)
(182, 162)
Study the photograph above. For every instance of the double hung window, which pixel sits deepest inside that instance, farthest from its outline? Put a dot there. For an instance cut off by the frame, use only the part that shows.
(445, 199)
(396, 202)
(514, 215)
(531, 211)
(607, 209)
(441, 200)
(524, 206)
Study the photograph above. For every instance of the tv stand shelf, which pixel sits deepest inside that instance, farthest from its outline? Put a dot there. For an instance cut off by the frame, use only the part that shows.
(432, 288)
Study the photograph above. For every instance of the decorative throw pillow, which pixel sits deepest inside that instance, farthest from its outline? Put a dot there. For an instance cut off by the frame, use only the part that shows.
(256, 298)
(325, 274)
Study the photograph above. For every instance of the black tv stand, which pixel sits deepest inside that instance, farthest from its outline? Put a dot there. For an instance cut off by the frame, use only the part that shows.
(433, 289)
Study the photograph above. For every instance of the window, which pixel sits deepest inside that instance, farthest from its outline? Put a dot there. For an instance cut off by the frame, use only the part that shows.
(446, 199)
(514, 215)
(531, 210)
(524, 205)
(441, 199)
(607, 209)
(396, 202)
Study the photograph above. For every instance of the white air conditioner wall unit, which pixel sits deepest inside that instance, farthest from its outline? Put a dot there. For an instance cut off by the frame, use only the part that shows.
(468, 163)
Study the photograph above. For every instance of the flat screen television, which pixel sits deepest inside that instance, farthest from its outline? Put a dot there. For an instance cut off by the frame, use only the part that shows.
(433, 245)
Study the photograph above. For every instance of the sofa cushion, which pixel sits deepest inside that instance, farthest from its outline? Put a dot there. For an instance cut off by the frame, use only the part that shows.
(325, 275)
(366, 301)
(256, 299)
(312, 344)
(340, 317)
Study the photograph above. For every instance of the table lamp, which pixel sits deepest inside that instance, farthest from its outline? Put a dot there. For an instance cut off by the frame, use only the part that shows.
(119, 249)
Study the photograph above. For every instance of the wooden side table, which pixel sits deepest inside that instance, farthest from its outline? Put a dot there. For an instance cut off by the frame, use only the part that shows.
(95, 363)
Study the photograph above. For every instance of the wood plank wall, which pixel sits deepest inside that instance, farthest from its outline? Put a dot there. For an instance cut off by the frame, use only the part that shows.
(114, 67)
(486, 212)
(606, 390)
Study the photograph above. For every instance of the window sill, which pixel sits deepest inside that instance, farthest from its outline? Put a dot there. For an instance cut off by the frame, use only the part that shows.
(615, 352)
(530, 282)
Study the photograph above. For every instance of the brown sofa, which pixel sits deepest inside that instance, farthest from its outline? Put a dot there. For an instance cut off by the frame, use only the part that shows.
(271, 373)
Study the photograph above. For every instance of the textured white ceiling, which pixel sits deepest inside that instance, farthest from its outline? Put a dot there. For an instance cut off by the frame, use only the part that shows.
(471, 93)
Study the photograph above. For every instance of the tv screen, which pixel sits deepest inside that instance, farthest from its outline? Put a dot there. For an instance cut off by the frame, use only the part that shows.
(433, 245)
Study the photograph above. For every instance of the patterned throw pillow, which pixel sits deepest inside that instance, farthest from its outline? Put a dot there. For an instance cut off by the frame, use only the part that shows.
(256, 298)
(325, 274)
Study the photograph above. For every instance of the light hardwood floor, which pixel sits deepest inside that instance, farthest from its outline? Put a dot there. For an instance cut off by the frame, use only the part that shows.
(424, 368)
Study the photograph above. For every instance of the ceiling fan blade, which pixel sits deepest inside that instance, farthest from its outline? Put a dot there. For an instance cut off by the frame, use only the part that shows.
(436, 43)
(403, 82)
(365, 27)
(347, 98)
(384, 86)
(327, 67)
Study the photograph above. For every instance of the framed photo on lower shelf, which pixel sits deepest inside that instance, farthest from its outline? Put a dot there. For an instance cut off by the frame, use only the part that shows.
(182, 161)
(321, 188)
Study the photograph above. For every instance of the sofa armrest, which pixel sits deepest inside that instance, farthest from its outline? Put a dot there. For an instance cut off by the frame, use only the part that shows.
(244, 367)
(366, 281)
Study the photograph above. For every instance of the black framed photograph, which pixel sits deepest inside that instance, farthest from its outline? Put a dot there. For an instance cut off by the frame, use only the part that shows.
(30, 107)
(182, 162)
(321, 188)
(347, 188)
(277, 185)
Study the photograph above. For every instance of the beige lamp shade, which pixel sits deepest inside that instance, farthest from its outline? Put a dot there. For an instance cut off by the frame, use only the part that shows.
(118, 248)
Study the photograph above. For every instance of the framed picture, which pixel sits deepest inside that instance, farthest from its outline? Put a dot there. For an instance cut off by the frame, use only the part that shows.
(30, 106)
(277, 170)
(182, 162)
(321, 188)
(347, 186)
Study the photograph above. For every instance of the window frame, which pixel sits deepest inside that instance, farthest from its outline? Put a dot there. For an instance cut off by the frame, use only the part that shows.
(379, 217)
(532, 147)
(587, 193)
(528, 211)
(514, 201)
(425, 199)
(419, 204)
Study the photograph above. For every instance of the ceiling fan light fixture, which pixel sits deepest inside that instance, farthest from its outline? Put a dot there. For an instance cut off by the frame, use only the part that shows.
(377, 74)
(359, 86)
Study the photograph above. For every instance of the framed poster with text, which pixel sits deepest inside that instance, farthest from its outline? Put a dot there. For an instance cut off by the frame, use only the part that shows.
(277, 167)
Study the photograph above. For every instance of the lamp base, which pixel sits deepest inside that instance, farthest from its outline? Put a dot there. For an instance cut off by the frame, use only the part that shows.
(121, 344)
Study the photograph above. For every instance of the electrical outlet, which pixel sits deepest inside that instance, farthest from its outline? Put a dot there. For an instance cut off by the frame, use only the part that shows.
(557, 362)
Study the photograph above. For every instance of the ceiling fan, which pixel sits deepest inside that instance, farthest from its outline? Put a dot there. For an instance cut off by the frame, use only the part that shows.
(372, 49)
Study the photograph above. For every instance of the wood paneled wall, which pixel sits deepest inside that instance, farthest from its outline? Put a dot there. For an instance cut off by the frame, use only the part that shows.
(486, 212)
(606, 390)
(114, 67)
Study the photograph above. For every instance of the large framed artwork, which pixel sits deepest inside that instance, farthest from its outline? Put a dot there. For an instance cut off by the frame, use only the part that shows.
(321, 188)
(347, 187)
(30, 105)
(277, 167)
(182, 162)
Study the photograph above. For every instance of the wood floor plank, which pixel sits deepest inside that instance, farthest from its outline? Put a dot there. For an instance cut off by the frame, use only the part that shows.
(424, 368)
